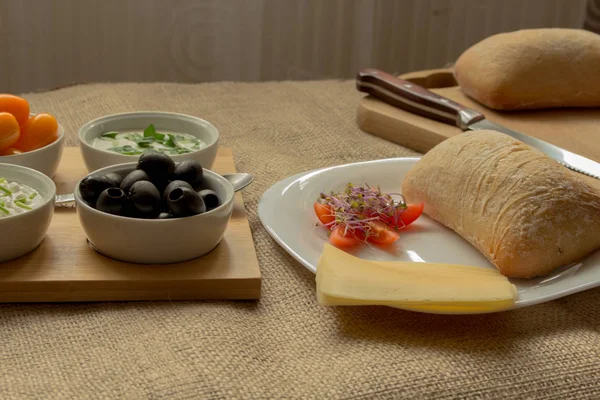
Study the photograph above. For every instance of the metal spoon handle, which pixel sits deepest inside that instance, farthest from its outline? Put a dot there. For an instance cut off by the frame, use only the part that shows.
(65, 198)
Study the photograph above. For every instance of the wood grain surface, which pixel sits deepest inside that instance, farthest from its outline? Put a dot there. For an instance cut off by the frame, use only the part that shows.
(45, 45)
(65, 268)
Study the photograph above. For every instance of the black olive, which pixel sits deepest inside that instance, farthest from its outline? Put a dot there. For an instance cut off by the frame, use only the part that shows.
(174, 185)
(184, 202)
(158, 166)
(115, 178)
(133, 177)
(189, 171)
(112, 201)
(164, 215)
(91, 187)
(145, 199)
(211, 199)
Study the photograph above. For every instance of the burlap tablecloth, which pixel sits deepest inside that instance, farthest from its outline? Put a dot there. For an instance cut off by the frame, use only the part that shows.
(285, 345)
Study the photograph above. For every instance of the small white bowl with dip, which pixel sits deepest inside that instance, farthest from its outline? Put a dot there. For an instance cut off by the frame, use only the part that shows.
(45, 159)
(120, 138)
(24, 217)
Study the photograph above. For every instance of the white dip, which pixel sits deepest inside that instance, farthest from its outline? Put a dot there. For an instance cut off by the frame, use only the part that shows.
(17, 198)
(133, 143)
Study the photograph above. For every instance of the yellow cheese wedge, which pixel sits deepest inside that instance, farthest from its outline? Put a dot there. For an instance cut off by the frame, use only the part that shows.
(436, 308)
(344, 280)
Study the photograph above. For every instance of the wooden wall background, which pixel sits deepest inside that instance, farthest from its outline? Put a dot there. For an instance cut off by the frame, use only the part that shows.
(51, 43)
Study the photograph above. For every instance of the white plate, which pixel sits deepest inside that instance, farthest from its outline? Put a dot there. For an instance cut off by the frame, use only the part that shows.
(286, 211)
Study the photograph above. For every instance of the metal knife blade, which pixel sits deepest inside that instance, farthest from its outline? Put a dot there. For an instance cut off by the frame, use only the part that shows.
(570, 160)
(418, 100)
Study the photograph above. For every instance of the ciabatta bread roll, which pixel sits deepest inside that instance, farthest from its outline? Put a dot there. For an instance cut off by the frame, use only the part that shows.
(533, 68)
(524, 211)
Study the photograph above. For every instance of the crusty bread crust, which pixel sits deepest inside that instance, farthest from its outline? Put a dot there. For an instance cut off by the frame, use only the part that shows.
(524, 211)
(533, 68)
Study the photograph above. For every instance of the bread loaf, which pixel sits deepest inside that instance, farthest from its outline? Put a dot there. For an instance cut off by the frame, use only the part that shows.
(524, 211)
(534, 68)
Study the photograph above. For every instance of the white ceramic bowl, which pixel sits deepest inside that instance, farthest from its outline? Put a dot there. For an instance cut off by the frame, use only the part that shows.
(45, 160)
(156, 241)
(95, 158)
(22, 233)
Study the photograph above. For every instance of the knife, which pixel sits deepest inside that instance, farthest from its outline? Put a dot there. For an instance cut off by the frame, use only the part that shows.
(418, 100)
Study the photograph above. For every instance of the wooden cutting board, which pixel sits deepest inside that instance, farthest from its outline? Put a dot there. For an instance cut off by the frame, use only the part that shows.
(65, 268)
(577, 130)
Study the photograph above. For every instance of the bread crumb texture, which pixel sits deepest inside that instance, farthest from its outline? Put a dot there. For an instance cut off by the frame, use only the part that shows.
(523, 210)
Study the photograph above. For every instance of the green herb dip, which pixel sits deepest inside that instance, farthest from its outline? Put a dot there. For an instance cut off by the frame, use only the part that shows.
(133, 143)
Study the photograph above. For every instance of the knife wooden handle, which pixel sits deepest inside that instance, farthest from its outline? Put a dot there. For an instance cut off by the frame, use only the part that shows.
(414, 98)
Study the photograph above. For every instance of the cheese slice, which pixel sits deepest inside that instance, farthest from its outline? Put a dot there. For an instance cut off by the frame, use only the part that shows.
(435, 308)
(344, 280)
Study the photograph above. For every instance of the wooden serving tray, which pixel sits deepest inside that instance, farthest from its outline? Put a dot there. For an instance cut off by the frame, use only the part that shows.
(64, 268)
(577, 130)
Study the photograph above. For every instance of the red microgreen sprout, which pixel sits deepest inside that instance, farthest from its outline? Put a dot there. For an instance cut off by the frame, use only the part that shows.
(357, 207)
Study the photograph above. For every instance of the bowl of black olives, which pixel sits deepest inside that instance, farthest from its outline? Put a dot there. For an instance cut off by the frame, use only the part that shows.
(154, 211)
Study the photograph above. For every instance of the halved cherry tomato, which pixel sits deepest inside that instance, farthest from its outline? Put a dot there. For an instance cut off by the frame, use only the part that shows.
(324, 213)
(9, 130)
(338, 239)
(410, 214)
(383, 233)
(405, 216)
(16, 106)
(41, 130)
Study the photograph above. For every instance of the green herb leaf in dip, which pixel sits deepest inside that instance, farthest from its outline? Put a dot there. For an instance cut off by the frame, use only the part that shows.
(171, 141)
(146, 142)
(134, 137)
(6, 191)
(22, 205)
(109, 135)
(125, 150)
(150, 131)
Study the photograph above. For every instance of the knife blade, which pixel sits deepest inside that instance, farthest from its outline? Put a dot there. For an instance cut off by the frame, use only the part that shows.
(418, 100)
